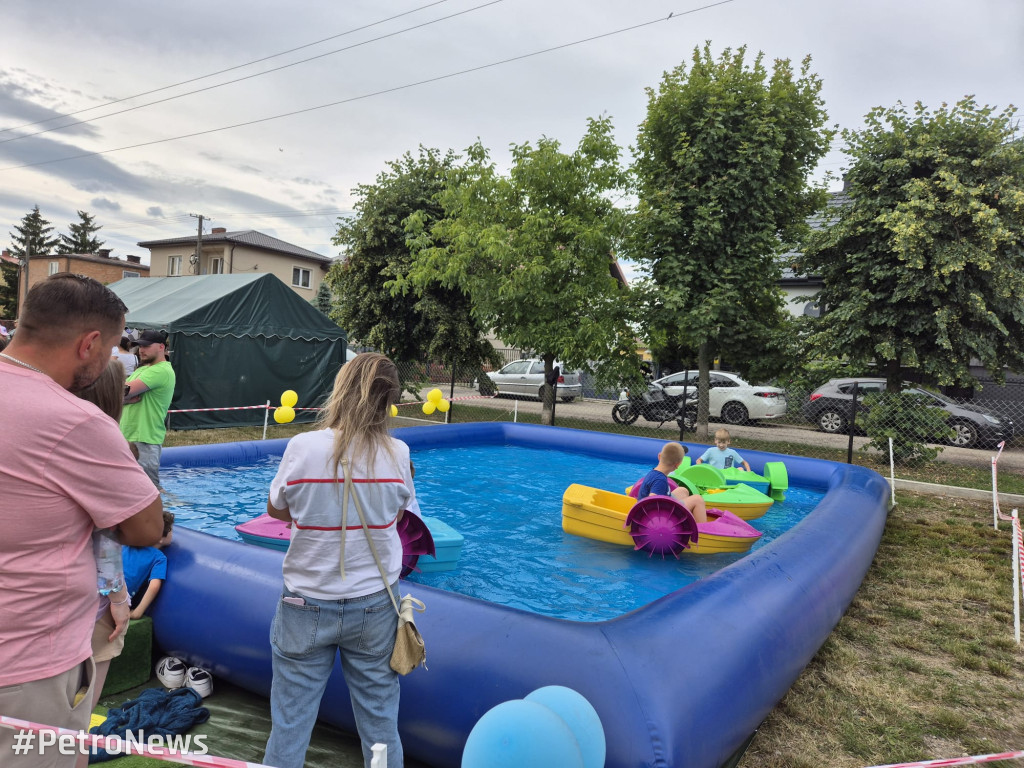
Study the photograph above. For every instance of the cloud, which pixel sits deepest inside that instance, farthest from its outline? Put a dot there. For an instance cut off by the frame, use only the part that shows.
(20, 99)
(103, 204)
(155, 210)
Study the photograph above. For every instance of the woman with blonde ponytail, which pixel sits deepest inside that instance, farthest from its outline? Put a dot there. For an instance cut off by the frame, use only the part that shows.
(333, 598)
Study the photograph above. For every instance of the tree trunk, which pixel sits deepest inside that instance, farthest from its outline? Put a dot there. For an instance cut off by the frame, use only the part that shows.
(547, 413)
(703, 400)
(893, 375)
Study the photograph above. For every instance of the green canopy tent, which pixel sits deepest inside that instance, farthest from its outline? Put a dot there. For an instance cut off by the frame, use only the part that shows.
(236, 340)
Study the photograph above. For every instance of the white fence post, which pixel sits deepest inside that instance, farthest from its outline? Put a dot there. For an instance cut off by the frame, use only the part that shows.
(1016, 574)
(266, 417)
(892, 475)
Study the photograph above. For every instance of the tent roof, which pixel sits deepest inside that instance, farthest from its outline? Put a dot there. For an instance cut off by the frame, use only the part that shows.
(251, 304)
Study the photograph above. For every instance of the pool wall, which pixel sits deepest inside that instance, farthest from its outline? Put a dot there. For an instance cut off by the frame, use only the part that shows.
(682, 681)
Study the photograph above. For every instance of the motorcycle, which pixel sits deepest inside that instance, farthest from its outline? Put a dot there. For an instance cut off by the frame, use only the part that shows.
(657, 406)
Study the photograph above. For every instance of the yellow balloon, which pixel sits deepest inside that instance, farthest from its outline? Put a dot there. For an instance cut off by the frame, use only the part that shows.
(394, 410)
(434, 396)
(284, 414)
(443, 406)
(289, 398)
(429, 407)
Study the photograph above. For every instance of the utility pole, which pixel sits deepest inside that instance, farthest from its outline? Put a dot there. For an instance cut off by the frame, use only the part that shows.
(199, 243)
(23, 288)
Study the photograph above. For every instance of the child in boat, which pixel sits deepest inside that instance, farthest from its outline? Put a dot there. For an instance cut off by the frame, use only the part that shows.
(721, 455)
(655, 482)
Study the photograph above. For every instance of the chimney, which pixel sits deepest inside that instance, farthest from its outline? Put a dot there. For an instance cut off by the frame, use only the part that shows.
(134, 259)
(5, 253)
(103, 253)
(218, 230)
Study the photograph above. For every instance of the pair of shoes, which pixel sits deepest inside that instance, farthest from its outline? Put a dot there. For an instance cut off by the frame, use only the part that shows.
(173, 673)
(170, 671)
(199, 680)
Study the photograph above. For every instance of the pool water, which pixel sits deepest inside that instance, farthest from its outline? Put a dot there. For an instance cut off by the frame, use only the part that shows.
(507, 503)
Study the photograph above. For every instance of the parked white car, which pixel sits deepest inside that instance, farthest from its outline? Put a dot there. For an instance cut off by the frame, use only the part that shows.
(526, 377)
(732, 399)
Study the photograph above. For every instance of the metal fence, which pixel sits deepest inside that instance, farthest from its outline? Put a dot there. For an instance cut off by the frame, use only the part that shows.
(959, 432)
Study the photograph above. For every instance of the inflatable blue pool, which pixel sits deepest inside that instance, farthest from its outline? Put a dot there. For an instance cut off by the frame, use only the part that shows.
(682, 681)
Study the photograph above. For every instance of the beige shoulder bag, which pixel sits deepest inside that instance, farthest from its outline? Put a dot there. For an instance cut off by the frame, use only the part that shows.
(409, 650)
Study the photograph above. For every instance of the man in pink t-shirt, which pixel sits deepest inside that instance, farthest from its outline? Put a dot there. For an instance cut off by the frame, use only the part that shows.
(65, 469)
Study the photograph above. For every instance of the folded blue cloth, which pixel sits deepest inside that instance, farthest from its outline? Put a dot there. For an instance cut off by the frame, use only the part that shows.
(155, 712)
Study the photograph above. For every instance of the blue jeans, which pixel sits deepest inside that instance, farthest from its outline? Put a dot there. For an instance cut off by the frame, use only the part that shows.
(305, 640)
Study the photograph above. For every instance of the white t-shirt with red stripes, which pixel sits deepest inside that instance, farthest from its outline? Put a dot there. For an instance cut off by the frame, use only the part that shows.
(307, 486)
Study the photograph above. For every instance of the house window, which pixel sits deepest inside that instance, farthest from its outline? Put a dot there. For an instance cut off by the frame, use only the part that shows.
(174, 266)
(301, 277)
(54, 267)
(216, 266)
(129, 273)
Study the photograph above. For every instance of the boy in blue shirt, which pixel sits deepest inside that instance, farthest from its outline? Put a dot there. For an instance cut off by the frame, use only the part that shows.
(655, 482)
(721, 455)
(146, 564)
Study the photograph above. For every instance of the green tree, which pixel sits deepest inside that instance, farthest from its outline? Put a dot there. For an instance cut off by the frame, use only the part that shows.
(82, 238)
(323, 299)
(924, 267)
(723, 158)
(32, 236)
(434, 320)
(10, 280)
(534, 251)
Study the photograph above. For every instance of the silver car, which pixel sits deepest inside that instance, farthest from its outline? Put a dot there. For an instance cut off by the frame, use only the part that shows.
(526, 377)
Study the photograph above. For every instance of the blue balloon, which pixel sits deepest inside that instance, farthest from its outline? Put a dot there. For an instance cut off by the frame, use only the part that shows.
(581, 717)
(521, 734)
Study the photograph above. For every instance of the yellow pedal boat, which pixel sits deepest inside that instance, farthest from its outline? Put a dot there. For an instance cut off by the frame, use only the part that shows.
(597, 514)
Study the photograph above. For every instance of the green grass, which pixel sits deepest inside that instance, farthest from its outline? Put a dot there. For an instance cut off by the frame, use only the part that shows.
(923, 665)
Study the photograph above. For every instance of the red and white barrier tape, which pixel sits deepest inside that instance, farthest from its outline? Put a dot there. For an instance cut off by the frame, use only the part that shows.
(158, 753)
(232, 408)
(1016, 755)
(275, 407)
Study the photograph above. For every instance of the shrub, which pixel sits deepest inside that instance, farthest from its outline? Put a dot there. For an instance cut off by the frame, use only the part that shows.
(910, 420)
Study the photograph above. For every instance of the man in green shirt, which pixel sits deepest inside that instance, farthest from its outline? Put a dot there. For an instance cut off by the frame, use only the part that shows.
(147, 398)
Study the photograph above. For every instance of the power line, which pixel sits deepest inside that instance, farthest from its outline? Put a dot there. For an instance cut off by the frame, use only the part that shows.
(247, 77)
(159, 221)
(384, 91)
(222, 71)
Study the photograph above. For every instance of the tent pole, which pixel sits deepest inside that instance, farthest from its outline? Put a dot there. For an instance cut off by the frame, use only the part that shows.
(266, 417)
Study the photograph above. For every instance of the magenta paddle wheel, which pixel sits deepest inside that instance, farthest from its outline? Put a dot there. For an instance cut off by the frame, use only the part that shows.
(660, 524)
(416, 541)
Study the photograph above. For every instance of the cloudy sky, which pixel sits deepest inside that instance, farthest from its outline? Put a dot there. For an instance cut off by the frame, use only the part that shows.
(386, 78)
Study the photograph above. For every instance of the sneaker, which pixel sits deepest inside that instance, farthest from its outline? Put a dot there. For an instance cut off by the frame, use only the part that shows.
(170, 671)
(199, 680)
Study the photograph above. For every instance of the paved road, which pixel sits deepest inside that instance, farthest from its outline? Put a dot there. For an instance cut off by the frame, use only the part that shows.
(600, 411)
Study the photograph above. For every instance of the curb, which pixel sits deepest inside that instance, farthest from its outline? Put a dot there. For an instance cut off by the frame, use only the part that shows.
(933, 489)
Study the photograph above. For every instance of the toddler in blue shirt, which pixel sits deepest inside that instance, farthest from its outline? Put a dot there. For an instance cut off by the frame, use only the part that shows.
(721, 455)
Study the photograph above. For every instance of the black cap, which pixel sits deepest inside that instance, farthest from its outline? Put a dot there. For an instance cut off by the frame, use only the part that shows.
(151, 337)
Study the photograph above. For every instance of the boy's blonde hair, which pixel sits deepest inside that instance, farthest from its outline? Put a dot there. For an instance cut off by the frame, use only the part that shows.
(722, 434)
(673, 453)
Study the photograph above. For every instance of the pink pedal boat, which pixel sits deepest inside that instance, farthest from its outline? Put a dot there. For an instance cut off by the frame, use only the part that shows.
(428, 544)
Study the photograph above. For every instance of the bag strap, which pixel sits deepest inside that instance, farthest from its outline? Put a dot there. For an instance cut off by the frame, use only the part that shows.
(366, 531)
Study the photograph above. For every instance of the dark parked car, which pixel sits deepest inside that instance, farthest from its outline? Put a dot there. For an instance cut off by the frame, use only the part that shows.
(829, 407)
